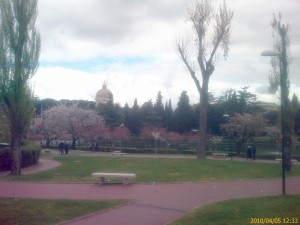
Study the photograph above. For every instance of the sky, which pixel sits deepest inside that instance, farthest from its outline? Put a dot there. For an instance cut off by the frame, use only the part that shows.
(131, 46)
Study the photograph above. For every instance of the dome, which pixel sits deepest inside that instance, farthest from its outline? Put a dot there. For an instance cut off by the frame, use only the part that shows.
(104, 96)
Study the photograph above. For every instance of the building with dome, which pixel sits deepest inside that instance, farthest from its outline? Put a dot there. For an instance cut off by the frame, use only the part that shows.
(104, 96)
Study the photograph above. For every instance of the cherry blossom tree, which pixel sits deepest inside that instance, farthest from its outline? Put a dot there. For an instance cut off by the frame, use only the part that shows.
(50, 125)
(63, 121)
(241, 127)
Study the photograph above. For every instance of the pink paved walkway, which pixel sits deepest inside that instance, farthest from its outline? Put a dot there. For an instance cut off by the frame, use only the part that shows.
(154, 204)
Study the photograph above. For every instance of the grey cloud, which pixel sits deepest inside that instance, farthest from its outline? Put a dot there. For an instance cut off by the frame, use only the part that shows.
(262, 89)
(106, 20)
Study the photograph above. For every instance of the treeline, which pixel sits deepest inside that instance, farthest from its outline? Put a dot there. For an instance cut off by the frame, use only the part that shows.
(182, 119)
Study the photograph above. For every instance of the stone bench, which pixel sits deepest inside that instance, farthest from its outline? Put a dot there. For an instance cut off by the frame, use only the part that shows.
(118, 153)
(124, 176)
(219, 154)
(292, 160)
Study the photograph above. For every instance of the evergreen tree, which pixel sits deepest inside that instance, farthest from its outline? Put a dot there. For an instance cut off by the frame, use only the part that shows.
(246, 100)
(295, 111)
(134, 121)
(168, 120)
(183, 115)
(159, 108)
(126, 113)
(149, 116)
(112, 114)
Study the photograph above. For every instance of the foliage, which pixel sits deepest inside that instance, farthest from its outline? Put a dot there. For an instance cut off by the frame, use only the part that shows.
(111, 114)
(19, 54)
(183, 115)
(30, 155)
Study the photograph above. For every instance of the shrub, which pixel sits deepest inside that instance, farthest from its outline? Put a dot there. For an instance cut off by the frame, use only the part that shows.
(30, 155)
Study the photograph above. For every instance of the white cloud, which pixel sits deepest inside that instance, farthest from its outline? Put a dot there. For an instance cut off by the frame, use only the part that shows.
(131, 45)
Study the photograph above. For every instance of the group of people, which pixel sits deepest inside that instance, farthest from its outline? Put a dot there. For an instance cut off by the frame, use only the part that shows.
(63, 148)
(94, 147)
(251, 152)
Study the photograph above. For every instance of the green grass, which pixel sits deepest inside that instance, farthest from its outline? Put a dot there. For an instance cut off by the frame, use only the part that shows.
(148, 170)
(283, 210)
(46, 212)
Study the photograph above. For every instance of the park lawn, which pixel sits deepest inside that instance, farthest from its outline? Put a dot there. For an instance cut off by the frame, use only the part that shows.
(149, 170)
(281, 209)
(45, 212)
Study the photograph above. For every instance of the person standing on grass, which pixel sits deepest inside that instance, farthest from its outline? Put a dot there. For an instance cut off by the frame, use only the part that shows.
(66, 149)
(249, 152)
(253, 152)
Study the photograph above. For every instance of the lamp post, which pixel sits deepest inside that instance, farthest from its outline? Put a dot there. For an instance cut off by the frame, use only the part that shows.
(283, 104)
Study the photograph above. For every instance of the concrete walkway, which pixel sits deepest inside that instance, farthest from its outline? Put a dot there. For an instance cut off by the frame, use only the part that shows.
(154, 204)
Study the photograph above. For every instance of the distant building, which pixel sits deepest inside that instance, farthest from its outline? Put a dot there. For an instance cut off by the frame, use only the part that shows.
(104, 96)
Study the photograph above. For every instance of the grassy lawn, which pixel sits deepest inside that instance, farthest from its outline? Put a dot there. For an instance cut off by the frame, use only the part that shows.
(282, 210)
(79, 169)
(46, 212)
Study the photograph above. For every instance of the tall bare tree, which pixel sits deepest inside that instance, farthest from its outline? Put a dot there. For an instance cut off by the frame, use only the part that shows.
(19, 54)
(279, 78)
(212, 31)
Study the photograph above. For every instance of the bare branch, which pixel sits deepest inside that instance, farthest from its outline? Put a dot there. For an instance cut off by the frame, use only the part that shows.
(222, 30)
(182, 49)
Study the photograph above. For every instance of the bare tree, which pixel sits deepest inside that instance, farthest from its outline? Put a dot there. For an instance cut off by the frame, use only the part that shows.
(19, 54)
(281, 43)
(279, 78)
(215, 28)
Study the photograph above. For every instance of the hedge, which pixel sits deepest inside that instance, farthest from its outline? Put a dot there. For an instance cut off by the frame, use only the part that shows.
(30, 156)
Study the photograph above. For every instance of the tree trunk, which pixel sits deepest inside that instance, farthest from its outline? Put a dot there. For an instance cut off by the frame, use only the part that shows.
(202, 145)
(239, 148)
(48, 143)
(74, 143)
(16, 157)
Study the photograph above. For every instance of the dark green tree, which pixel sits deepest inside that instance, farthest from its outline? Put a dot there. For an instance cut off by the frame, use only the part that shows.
(19, 54)
(111, 113)
(246, 100)
(168, 120)
(159, 108)
(295, 108)
(135, 120)
(149, 115)
(183, 115)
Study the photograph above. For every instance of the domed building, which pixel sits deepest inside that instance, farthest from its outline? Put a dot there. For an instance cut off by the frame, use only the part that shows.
(104, 96)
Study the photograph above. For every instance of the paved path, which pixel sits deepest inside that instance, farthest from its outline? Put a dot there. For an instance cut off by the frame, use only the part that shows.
(43, 165)
(154, 204)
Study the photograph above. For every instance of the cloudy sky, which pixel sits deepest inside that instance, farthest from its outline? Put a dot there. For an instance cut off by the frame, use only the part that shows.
(131, 45)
